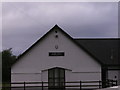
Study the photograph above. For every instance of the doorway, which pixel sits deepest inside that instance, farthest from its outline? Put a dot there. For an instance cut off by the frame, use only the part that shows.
(56, 78)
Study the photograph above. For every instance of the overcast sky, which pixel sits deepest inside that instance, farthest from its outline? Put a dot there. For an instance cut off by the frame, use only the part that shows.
(24, 23)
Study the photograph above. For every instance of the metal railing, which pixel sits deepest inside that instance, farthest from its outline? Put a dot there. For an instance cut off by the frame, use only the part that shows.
(78, 85)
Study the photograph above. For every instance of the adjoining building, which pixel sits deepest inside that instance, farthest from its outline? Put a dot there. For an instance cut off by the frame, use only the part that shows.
(57, 57)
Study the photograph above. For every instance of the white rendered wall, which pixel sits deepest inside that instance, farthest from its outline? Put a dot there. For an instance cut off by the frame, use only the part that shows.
(85, 76)
(26, 77)
(75, 59)
(112, 74)
(44, 76)
(75, 76)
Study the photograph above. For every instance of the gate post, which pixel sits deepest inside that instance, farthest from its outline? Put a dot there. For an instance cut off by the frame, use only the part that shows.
(24, 85)
(99, 84)
(80, 85)
(116, 82)
(42, 85)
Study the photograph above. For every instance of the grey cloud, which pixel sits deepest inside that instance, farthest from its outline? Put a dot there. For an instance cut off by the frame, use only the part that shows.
(23, 23)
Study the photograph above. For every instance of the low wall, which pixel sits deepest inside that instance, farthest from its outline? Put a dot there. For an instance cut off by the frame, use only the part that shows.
(111, 88)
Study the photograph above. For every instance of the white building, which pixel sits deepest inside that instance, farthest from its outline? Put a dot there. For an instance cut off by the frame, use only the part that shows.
(56, 57)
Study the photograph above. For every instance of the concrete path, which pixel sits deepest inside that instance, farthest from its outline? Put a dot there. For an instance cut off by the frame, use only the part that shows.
(111, 88)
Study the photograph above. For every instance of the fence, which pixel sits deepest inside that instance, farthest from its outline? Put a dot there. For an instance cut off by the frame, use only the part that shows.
(73, 85)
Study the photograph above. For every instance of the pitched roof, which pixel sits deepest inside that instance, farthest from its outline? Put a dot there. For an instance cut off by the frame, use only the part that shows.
(94, 47)
(106, 49)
